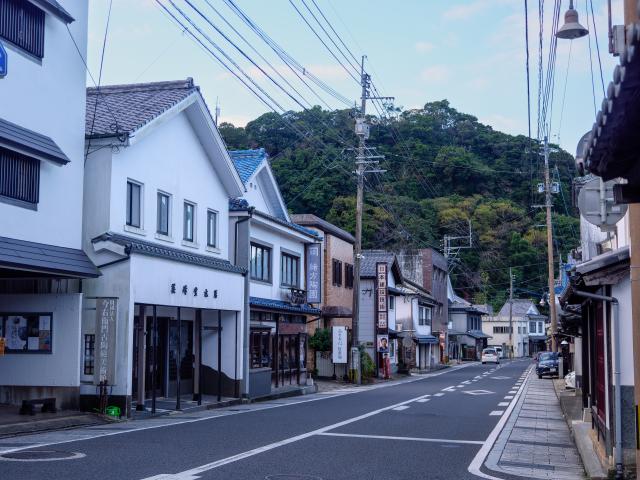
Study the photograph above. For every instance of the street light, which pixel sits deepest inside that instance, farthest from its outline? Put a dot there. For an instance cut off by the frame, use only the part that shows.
(571, 28)
(564, 343)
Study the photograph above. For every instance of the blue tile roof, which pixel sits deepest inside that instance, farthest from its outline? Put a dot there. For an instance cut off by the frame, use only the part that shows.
(282, 306)
(247, 161)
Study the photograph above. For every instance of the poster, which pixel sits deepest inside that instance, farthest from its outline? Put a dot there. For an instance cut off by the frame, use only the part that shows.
(383, 343)
(16, 335)
(339, 351)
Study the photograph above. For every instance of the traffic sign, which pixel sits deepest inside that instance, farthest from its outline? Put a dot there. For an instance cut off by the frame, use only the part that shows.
(3, 61)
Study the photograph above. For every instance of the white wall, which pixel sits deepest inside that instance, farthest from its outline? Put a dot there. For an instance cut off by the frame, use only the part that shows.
(255, 196)
(170, 159)
(277, 240)
(49, 98)
(61, 368)
(622, 291)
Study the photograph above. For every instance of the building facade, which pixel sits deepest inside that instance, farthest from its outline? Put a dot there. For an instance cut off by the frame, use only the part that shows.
(276, 253)
(157, 184)
(466, 338)
(528, 328)
(42, 264)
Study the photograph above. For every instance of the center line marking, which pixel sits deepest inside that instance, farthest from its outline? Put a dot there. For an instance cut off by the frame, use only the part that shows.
(422, 400)
(400, 408)
(439, 394)
(508, 397)
(411, 439)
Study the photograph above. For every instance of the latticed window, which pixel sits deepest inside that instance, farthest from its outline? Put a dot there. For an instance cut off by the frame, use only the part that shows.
(19, 177)
(22, 24)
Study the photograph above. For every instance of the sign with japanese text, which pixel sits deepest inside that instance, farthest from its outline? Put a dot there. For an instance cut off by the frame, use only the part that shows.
(2, 344)
(383, 343)
(314, 273)
(339, 351)
(381, 295)
(105, 345)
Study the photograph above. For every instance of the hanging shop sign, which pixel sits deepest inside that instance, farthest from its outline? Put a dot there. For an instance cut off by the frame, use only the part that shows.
(314, 276)
(105, 346)
(339, 351)
(381, 295)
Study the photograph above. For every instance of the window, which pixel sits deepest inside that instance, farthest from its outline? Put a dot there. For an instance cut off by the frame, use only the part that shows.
(500, 329)
(164, 207)
(392, 302)
(289, 270)
(532, 327)
(348, 275)
(260, 264)
(23, 25)
(19, 177)
(260, 348)
(424, 315)
(134, 202)
(89, 353)
(189, 220)
(26, 332)
(540, 327)
(336, 267)
(212, 228)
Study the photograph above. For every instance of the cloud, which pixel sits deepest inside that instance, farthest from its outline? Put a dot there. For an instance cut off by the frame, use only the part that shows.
(463, 12)
(424, 47)
(503, 123)
(436, 73)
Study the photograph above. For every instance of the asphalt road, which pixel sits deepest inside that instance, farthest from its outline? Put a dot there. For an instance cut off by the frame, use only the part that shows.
(431, 428)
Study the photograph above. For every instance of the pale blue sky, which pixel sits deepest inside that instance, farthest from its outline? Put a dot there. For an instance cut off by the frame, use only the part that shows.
(470, 52)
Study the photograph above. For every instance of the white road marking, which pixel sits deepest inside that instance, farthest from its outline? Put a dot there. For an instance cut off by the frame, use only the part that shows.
(496, 412)
(452, 388)
(508, 397)
(439, 394)
(400, 408)
(466, 382)
(192, 473)
(503, 404)
(423, 400)
(460, 386)
(412, 439)
(426, 396)
(478, 460)
(478, 392)
(513, 392)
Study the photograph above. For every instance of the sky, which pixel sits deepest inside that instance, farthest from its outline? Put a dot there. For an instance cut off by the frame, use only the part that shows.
(470, 52)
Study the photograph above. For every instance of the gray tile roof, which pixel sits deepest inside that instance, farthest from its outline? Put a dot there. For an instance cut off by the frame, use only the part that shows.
(15, 137)
(45, 259)
(310, 220)
(520, 308)
(371, 257)
(280, 305)
(123, 109)
(142, 247)
(247, 161)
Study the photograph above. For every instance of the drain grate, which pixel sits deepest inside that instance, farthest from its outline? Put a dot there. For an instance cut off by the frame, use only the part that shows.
(40, 456)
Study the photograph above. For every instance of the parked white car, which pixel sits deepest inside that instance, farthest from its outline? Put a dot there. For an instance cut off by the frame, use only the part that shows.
(490, 355)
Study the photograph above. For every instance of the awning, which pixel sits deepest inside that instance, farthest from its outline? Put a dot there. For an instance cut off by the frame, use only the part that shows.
(282, 306)
(425, 339)
(393, 333)
(336, 311)
(32, 144)
(477, 334)
(19, 258)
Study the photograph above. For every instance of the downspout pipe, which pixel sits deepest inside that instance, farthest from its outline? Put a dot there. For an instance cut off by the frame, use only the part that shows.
(616, 377)
(244, 391)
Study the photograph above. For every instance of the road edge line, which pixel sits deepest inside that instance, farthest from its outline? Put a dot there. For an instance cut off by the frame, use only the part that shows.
(483, 453)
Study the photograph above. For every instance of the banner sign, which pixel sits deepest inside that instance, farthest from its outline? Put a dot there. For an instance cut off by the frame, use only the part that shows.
(381, 295)
(339, 353)
(314, 276)
(2, 345)
(105, 345)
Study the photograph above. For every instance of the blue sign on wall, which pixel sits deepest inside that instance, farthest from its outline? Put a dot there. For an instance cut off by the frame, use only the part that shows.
(3, 61)
(314, 273)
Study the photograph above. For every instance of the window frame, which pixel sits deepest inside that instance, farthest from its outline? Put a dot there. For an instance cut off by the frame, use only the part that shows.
(129, 204)
(32, 17)
(284, 256)
(264, 248)
(336, 272)
(159, 194)
(348, 275)
(392, 302)
(185, 205)
(216, 215)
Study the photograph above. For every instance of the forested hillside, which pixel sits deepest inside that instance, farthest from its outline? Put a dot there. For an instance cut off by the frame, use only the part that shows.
(443, 169)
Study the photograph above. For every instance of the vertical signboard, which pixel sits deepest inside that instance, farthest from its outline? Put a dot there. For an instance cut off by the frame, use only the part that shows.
(2, 345)
(105, 345)
(381, 296)
(314, 273)
(339, 351)
(4, 63)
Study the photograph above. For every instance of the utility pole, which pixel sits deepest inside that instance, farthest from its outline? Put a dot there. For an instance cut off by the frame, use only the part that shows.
(364, 158)
(552, 282)
(510, 314)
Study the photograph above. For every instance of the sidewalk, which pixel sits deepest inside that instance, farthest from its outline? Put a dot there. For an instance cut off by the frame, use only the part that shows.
(536, 442)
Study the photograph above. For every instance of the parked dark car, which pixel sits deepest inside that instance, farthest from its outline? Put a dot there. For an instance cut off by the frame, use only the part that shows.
(547, 364)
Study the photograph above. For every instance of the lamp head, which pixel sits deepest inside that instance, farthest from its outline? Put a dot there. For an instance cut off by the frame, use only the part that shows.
(571, 28)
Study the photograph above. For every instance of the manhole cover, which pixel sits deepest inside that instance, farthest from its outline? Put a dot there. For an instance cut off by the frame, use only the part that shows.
(40, 456)
(291, 476)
